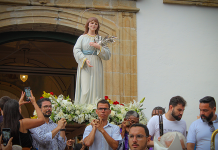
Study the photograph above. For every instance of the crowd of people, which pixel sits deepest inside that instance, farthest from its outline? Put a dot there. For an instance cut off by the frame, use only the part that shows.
(43, 134)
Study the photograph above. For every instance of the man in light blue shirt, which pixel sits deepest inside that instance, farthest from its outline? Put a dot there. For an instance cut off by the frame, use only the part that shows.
(201, 130)
(101, 135)
(49, 136)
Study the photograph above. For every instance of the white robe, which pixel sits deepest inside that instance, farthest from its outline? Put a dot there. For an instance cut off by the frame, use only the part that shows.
(90, 80)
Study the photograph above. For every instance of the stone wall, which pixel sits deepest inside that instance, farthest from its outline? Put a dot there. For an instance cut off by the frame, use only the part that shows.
(117, 17)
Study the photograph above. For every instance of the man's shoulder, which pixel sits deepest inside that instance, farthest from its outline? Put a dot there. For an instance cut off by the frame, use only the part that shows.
(154, 119)
(88, 127)
(197, 122)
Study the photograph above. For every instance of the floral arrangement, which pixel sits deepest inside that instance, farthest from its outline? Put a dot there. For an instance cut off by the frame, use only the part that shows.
(62, 107)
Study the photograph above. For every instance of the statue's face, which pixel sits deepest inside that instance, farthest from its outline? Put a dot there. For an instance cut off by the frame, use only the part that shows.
(93, 25)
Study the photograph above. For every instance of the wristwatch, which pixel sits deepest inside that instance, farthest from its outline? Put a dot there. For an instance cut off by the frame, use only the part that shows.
(63, 129)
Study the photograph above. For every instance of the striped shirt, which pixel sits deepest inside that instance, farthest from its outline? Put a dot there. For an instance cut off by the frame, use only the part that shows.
(42, 137)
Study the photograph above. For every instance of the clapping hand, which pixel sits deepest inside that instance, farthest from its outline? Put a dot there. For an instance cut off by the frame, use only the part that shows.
(99, 125)
(62, 123)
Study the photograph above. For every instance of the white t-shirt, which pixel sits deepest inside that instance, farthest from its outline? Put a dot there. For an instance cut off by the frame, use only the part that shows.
(168, 126)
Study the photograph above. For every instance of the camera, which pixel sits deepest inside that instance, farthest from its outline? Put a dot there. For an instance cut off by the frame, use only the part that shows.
(28, 94)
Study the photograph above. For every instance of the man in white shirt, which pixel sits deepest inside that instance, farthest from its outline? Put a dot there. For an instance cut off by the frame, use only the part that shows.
(200, 131)
(172, 121)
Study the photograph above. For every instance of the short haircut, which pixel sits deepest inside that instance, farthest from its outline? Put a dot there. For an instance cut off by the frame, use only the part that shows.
(141, 125)
(39, 102)
(131, 113)
(174, 101)
(170, 136)
(3, 100)
(103, 101)
(210, 100)
(158, 108)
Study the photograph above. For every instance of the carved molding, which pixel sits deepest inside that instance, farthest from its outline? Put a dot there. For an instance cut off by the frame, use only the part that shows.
(113, 5)
(209, 3)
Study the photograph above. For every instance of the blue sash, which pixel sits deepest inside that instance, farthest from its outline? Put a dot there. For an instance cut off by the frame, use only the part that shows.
(89, 52)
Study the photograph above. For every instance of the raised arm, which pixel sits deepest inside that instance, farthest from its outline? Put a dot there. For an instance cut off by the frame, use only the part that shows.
(89, 134)
(28, 123)
(61, 125)
(112, 143)
(62, 140)
(21, 100)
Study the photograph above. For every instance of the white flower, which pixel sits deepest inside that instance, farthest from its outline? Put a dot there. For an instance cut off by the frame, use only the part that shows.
(77, 112)
(56, 118)
(90, 107)
(112, 113)
(120, 116)
(87, 116)
(62, 107)
(34, 113)
(91, 118)
(63, 102)
(81, 118)
(75, 118)
(60, 114)
(69, 117)
(123, 111)
(143, 122)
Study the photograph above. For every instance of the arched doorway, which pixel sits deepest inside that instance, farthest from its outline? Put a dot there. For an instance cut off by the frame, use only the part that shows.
(46, 57)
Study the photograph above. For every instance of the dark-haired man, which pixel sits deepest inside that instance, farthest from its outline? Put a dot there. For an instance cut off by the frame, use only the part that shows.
(49, 136)
(201, 130)
(157, 110)
(131, 117)
(138, 137)
(172, 121)
(101, 135)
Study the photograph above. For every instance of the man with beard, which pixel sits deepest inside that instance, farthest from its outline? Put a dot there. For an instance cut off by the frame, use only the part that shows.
(201, 130)
(172, 121)
(49, 136)
(138, 137)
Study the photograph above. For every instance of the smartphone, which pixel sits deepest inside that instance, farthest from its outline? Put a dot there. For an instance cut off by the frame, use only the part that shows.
(28, 94)
(6, 135)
